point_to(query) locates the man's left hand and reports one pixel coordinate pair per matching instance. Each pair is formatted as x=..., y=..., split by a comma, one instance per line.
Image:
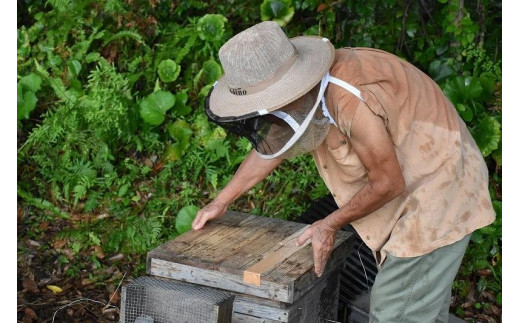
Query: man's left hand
x=322, y=238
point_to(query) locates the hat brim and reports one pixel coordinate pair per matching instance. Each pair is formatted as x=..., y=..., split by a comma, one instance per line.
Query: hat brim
x=315, y=56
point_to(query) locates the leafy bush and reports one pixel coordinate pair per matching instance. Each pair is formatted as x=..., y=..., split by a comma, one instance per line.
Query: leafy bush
x=110, y=110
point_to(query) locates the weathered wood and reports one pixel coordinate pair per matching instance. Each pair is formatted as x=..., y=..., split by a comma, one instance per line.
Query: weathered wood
x=320, y=303
x=287, y=247
x=243, y=318
x=218, y=254
x=301, y=283
x=317, y=305
x=251, y=307
x=212, y=278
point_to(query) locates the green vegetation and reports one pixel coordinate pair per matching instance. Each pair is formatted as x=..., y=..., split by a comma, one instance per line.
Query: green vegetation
x=113, y=142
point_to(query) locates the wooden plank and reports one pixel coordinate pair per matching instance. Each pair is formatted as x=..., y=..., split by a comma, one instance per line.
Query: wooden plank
x=227, y=248
x=303, y=282
x=212, y=278
x=257, y=249
x=218, y=254
x=244, y=318
x=248, y=306
x=286, y=249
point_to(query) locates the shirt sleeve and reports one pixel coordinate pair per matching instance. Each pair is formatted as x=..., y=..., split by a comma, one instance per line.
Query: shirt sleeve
x=349, y=69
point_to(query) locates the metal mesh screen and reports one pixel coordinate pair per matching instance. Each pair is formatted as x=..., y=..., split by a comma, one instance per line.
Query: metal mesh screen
x=149, y=299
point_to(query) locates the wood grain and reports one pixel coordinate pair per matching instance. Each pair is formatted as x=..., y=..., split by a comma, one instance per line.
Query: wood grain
x=287, y=248
x=218, y=255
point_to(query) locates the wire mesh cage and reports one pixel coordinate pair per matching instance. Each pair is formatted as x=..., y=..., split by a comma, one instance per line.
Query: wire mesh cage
x=156, y=300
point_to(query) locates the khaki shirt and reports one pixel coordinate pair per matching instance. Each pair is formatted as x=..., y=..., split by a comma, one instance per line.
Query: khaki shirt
x=446, y=195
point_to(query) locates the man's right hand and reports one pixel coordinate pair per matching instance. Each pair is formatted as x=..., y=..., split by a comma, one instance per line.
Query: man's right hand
x=213, y=210
x=251, y=171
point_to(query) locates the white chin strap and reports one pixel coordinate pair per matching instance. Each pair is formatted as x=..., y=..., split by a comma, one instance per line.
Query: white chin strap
x=299, y=129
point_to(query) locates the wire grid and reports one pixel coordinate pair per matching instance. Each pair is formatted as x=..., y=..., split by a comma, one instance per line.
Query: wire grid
x=150, y=299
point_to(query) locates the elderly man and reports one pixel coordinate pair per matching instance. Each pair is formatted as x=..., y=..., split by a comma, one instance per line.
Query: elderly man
x=391, y=148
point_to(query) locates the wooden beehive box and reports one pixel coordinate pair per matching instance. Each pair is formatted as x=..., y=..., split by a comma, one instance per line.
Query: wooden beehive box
x=281, y=287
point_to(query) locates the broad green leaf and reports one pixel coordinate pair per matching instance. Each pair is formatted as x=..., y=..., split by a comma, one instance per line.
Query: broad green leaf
x=312, y=31
x=153, y=108
x=487, y=135
x=497, y=154
x=25, y=97
x=19, y=94
x=280, y=11
x=74, y=67
x=205, y=90
x=488, y=83
x=168, y=70
x=123, y=189
x=185, y=217
x=181, y=98
x=219, y=133
x=32, y=81
x=440, y=71
x=174, y=152
x=92, y=57
x=466, y=113
x=180, y=130
x=211, y=71
x=211, y=27
x=463, y=89
x=29, y=103
x=410, y=31
x=441, y=50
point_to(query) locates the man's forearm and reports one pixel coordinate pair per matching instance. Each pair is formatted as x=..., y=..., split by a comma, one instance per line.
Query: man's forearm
x=367, y=200
x=250, y=172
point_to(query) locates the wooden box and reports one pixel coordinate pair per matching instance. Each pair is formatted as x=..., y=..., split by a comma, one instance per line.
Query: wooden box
x=281, y=285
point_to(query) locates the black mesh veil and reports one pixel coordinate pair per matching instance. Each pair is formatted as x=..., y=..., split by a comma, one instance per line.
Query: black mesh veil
x=269, y=133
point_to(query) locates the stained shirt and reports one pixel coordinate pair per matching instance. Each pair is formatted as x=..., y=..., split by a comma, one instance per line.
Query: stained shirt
x=446, y=194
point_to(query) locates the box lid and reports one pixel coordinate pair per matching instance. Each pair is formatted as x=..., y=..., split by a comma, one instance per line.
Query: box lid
x=220, y=253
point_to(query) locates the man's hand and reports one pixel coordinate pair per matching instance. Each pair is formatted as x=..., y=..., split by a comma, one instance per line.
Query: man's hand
x=322, y=239
x=213, y=210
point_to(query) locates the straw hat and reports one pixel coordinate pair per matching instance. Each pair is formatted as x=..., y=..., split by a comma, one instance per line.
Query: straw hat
x=265, y=70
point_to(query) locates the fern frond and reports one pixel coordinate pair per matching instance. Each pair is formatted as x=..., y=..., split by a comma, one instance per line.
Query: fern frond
x=125, y=33
x=186, y=49
x=55, y=83
x=60, y=5
x=41, y=204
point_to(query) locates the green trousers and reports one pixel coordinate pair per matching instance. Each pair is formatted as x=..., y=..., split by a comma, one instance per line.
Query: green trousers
x=416, y=289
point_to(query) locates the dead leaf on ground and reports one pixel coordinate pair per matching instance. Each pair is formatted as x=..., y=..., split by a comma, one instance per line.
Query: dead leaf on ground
x=55, y=289
x=29, y=315
x=30, y=286
x=86, y=281
x=44, y=225
x=484, y=272
x=495, y=310
x=58, y=244
x=468, y=304
x=99, y=252
x=117, y=257
x=19, y=214
x=115, y=297
x=33, y=243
